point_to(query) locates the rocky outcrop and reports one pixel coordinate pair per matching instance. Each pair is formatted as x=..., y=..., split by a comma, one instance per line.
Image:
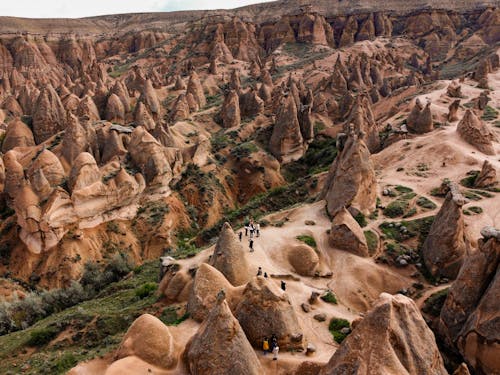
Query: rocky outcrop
x=420, y=118
x=18, y=134
x=361, y=116
x=74, y=140
x=180, y=109
x=447, y=244
x=195, y=89
x=303, y=260
x=264, y=310
x=115, y=112
x=392, y=339
x=230, y=111
x=49, y=116
x=487, y=177
x=346, y=234
x=453, y=111
x=220, y=345
x=230, y=257
x=351, y=180
x=286, y=142
x=454, y=90
x=476, y=132
x=469, y=318
x=150, y=99
x=88, y=109
x=150, y=340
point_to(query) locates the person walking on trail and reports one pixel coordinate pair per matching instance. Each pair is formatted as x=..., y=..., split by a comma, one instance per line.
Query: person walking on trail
x=276, y=350
x=251, y=233
x=257, y=229
x=240, y=235
x=283, y=285
x=259, y=271
x=251, y=245
x=246, y=230
x=265, y=275
x=265, y=345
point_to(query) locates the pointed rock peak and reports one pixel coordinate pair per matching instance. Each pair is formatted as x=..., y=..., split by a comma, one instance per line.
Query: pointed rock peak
x=487, y=177
x=477, y=133
x=18, y=134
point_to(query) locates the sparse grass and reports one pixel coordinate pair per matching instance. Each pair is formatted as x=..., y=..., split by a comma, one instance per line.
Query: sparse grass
x=146, y=290
x=335, y=327
x=435, y=302
x=361, y=219
x=396, y=208
x=42, y=336
x=426, y=203
x=489, y=114
x=371, y=241
x=403, y=189
x=244, y=150
x=308, y=240
x=170, y=318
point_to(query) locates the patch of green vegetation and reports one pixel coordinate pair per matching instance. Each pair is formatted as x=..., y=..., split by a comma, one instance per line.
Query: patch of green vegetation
x=42, y=336
x=361, y=219
x=220, y=141
x=318, y=158
x=319, y=127
x=469, y=194
x=497, y=123
x=308, y=240
x=489, y=114
x=426, y=203
x=214, y=101
x=407, y=229
x=470, y=180
x=408, y=196
x=113, y=227
x=396, y=208
x=403, y=189
x=483, y=193
x=477, y=210
x=371, y=241
x=410, y=213
x=154, y=212
x=329, y=297
x=244, y=150
x=335, y=327
x=435, y=302
x=170, y=318
x=146, y=290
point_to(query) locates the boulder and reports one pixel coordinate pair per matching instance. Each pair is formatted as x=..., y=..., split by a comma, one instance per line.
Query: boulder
x=454, y=90
x=392, y=339
x=303, y=259
x=230, y=257
x=476, y=132
x=265, y=309
x=351, y=181
x=447, y=244
x=420, y=119
x=346, y=234
x=487, y=177
x=220, y=345
x=150, y=340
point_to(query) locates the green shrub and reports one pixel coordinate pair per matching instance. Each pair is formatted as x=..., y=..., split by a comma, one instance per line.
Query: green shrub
x=146, y=290
x=470, y=180
x=435, y=302
x=371, y=241
x=396, y=208
x=403, y=189
x=426, y=203
x=335, y=326
x=477, y=210
x=65, y=362
x=489, y=114
x=308, y=240
x=361, y=219
x=42, y=336
x=244, y=150
x=170, y=318
x=329, y=297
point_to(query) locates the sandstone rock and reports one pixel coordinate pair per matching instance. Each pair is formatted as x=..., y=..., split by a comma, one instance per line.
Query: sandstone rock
x=476, y=132
x=230, y=111
x=180, y=109
x=351, y=180
x=361, y=116
x=251, y=105
x=87, y=108
x=74, y=140
x=175, y=284
x=196, y=90
x=346, y=234
x=18, y=134
x=143, y=118
x=179, y=83
x=350, y=30
x=49, y=116
x=487, y=177
x=461, y=370
x=51, y=166
x=150, y=99
x=230, y=257
x=150, y=340
x=420, y=118
x=84, y=172
x=264, y=310
x=470, y=314
x=12, y=107
x=392, y=339
x=14, y=174
x=303, y=259
x=452, y=110
x=446, y=245
x=320, y=317
x=220, y=346
x=114, y=110
x=207, y=283
x=454, y=90
x=120, y=90
x=286, y=142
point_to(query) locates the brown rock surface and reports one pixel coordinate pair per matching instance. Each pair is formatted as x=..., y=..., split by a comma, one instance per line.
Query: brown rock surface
x=392, y=339
x=49, y=116
x=487, y=177
x=303, y=259
x=420, y=118
x=264, y=310
x=447, y=244
x=476, y=132
x=230, y=111
x=346, y=234
x=18, y=135
x=230, y=257
x=220, y=345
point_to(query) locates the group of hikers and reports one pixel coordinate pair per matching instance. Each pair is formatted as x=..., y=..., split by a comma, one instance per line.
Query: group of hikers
x=271, y=346
x=252, y=229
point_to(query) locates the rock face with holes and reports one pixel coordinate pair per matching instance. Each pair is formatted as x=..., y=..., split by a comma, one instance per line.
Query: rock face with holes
x=447, y=243
x=220, y=345
x=392, y=339
x=470, y=319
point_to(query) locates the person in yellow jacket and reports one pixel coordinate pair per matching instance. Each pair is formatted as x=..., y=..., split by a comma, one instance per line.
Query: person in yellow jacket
x=265, y=345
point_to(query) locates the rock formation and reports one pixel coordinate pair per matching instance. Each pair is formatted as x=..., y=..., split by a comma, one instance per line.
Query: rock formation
x=49, y=116
x=351, y=180
x=230, y=111
x=452, y=111
x=476, y=132
x=346, y=234
x=303, y=260
x=392, y=339
x=446, y=245
x=18, y=134
x=220, y=345
x=487, y=177
x=420, y=118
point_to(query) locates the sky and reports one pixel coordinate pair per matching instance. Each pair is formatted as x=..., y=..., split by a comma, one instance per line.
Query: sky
x=87, y=8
